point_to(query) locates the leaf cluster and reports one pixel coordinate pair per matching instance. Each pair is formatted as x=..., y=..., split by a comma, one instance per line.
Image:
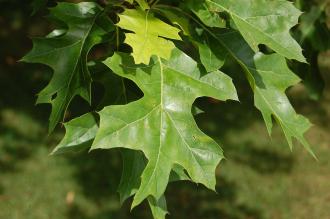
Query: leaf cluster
x=174, y=51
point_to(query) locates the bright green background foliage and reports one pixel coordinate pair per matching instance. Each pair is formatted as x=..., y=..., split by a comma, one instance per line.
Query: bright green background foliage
x=251, y=45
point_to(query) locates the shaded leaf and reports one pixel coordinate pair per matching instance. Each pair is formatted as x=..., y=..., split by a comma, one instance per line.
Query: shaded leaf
x=133, y=165
x=67, y=56
x=212, y=54
x=176, y=19
x=80, y=133
x=269, y=77
x=204, y=12
x=143, y=4
x=158, y=207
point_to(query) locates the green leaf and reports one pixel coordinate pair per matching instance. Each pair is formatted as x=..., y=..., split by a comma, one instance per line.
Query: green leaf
x=148, y=37
x=265, y=22
x=158, y=207
x=269, y=77
x=211, y=53
x=67, y=56
x=161, y=124
x=209, y=49
x=313, y=34
x=114, y=89
x=176, y=19
x=157, y=135
x=143, y=4
x=313, y=29
x=133, y=165
x=204, y=12
x=80, y=133
x=307, y=23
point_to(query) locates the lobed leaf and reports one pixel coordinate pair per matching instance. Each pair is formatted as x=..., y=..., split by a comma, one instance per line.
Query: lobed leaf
x=269, y=77
x=159, y=139
x=204, y=12
x=161, y=124
x=80, y=133
x=265, y=22
x=67, y=56
x=149, y=35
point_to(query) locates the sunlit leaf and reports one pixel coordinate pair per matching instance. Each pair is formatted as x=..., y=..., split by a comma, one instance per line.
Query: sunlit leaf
x=161, y=124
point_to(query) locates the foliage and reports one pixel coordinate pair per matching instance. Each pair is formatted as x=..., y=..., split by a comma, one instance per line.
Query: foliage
x=313, y=34
x=173, y=51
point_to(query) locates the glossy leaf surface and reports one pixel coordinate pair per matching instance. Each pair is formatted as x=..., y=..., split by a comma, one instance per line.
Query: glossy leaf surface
x=269, y=78
x=67, y=56
x=161, y=124
x=80, y=133
x=172, y=51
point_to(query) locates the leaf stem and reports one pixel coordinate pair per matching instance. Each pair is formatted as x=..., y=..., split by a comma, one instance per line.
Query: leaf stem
x=124, y=90
x=117, y=35
x=154, y=3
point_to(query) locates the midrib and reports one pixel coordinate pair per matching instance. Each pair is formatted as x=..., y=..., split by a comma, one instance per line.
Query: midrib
x=160, y=127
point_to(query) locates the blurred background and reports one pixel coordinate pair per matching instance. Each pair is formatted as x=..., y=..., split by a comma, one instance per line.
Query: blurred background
x=260, y=179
